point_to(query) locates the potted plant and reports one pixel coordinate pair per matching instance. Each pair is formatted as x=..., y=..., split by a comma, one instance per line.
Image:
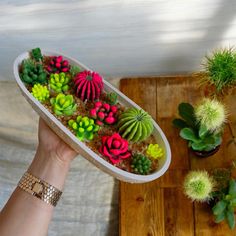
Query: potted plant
x=202, y=125
x=217, y=189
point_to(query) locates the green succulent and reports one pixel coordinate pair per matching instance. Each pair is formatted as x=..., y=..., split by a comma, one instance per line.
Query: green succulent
x=33, y=73
x=154, y=151
x=135, y=125
x=84, y=127
x=74, y=70
x=40, y=92
x=63, y=104
x=36, y=54
x=59, y=82
x=198, y=185
x=141, y=164
x=220, y=68
x=111, y=98
x=196, y=133
x=225, y=206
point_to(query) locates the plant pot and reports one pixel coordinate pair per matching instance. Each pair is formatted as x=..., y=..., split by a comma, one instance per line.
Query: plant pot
x=79, y=146
x=206, y=153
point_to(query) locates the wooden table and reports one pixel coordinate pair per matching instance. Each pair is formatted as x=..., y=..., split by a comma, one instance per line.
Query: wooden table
x=160, y=207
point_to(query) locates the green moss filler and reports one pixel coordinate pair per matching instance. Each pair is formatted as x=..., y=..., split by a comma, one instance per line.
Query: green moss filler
x=59, y=82
x=135, y=125
x=141, y=164
x=63, y=104
x=84, y=127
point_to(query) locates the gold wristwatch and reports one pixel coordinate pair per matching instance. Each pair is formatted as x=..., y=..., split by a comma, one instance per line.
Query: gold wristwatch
x=40, y=189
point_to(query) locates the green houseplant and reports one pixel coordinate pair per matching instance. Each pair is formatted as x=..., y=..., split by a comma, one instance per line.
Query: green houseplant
x=202, y=125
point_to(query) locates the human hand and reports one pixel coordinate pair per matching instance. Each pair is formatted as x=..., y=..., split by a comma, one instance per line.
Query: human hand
x=52, y=145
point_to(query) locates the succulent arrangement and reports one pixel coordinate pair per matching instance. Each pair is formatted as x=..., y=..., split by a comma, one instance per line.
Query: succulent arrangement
x=120, y=135
x=202, y=125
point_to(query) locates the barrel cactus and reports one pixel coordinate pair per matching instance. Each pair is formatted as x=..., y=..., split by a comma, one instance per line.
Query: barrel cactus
x=84, y=127
x=40, y=92
x=135, y=125
x=32, y=73
x=88, y=85
x=140, y=164
x=63, y=104
x=59, y=82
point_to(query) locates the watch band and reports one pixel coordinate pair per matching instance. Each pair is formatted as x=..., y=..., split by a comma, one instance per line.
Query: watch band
x=40, y=189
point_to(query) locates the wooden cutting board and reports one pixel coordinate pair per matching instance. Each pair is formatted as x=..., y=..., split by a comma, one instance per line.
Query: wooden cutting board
x=160, y=207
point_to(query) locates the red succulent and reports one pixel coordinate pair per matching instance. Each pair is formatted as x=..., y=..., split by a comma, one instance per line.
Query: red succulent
x=57, y=65
x=115, y=148
x=88, y=85
x=103, y=113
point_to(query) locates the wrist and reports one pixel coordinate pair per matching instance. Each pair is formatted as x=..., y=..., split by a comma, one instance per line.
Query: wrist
x=50, y=168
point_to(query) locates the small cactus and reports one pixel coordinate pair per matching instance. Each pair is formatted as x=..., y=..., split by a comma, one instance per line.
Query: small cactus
x=111, y=98
x=198, y=185
x=33, y=73
x=141, y=164
x=103, y=113
x=84, y=127
x=40, y=92
x=154, y=151
x=59, y=82
x=63, y=104
x=57, y=65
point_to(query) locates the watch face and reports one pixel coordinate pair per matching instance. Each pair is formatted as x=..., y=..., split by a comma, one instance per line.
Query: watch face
x=38, y=188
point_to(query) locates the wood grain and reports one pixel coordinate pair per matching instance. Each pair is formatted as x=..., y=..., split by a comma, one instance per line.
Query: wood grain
x=162, y=201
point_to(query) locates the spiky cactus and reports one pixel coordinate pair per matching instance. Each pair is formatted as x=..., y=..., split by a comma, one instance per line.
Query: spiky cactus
x=140, y=164
x=84, y=127
x=198, y=185
x=63, y=104
x=40, y=92
x=88, y=85
x=135, y=125
x=211, y=114
x=59, y=82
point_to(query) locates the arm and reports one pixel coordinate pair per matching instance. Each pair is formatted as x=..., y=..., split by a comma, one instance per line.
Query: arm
x=25, y=214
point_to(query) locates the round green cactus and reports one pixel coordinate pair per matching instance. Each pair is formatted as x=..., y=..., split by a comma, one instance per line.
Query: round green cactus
x=63, y=104
x=141, y=164
x=135, y=125
x=84, y=127
x=59, y=82
x=198, y=185
x=40, y=92
x=210, y=114
x=33, y=73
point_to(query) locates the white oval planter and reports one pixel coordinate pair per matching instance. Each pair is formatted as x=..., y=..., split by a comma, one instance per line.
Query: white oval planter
x=79, y=146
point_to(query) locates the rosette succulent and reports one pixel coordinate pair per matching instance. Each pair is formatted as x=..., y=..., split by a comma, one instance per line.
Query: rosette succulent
x=103, y=113
x=40, y=92
x=88, y=85
x=135, y=125
x=59, y=82
x=63, y=104
x=140, y=164
x=198, y=185
x=57, y=65
x=155, y=151
x=115, y=148
x=32, y=73
x=111, y=98
x=211, y=114
x=84, y=127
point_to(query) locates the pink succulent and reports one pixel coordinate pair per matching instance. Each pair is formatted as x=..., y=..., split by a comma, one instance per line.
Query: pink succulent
x=57, y=65
x=115, y=148
x=88, y=85
x=104, y=113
